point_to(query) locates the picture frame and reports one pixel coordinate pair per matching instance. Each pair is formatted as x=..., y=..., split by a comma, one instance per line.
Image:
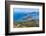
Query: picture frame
x=16, y=6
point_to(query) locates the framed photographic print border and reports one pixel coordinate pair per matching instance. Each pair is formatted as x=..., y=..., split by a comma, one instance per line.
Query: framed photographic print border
x=7, y=20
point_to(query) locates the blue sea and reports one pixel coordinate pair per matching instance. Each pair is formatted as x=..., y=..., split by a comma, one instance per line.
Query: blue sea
x=20, y=13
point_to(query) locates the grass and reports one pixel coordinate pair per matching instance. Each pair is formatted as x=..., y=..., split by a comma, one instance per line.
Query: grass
x=26, y=24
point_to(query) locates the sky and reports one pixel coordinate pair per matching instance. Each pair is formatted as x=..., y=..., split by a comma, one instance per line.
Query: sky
x=19, y=13
x=25, y=10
